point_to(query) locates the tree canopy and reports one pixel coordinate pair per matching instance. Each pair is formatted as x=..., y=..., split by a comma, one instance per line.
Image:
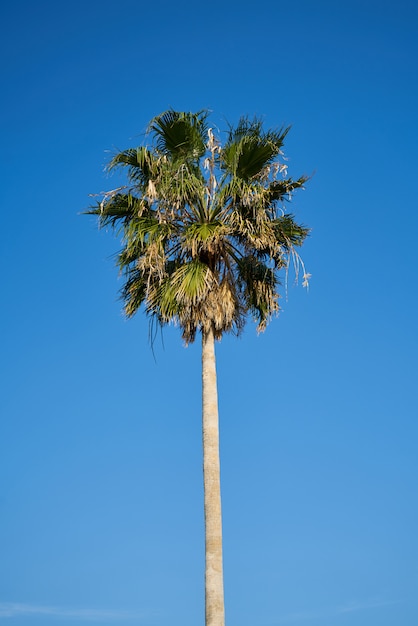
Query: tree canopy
x=204, y=226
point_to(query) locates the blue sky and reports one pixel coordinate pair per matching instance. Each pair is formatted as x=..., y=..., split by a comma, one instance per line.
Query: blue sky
x=100, y=447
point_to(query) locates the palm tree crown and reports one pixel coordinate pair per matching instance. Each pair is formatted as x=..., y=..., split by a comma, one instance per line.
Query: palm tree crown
x=203, y=225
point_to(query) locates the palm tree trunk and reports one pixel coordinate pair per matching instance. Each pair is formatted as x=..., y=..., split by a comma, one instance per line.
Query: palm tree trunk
x=214, y=590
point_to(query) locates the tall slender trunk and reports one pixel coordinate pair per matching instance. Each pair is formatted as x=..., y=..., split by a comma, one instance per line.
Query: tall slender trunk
x=214, y=588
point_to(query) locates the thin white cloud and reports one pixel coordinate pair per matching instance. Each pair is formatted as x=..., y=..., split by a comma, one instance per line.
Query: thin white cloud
x=10, y=609
x=351, y=607
x=369, y=604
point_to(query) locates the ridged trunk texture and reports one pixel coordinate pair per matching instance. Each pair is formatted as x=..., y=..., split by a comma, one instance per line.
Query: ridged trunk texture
x=214, y=588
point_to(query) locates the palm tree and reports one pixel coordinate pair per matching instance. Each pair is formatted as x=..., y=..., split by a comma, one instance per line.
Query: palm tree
x=205, y=235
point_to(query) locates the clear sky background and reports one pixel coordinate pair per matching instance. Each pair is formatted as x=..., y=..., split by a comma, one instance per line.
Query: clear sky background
x=100, y=454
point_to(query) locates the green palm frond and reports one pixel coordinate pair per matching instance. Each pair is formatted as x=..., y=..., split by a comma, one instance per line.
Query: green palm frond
x=249, y=150
x=204, y=237
x=179, y=187
x=282, y=189
x=117, y=208
x=242, y=193
x=134, y=292
x=288, y=232
x=162, y=302
x=191, y=282
x=143, y=234
x=141, y=164
x=259, y=285
x=181, y=289
x=180, y=135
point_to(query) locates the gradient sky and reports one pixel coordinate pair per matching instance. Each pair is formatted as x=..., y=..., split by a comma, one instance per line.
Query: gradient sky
x=100, y=447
